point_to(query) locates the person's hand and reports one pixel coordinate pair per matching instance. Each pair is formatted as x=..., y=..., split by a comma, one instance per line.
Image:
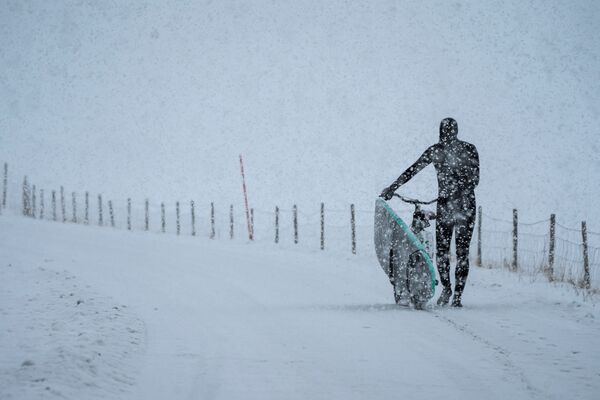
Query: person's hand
x=388, y=193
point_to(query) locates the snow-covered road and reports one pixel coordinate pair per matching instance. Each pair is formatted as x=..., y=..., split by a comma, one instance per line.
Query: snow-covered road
x=235, y=320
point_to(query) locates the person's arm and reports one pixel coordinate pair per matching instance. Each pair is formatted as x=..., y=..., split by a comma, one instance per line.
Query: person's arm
x=474, y=159
x=423, y=161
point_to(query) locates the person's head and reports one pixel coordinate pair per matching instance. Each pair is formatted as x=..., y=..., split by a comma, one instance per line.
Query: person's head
x=448, y=130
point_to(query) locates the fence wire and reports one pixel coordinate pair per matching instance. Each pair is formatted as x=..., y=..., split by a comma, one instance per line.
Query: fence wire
x=229, y=221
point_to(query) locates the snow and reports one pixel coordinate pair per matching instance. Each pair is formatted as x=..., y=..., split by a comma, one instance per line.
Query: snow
x=60, y=339
x=189, y=317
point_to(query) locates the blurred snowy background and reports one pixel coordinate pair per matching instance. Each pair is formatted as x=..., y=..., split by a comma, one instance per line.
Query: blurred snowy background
x=328, y=101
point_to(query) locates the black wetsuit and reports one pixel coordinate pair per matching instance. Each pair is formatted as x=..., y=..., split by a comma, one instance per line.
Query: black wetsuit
x=457, y=166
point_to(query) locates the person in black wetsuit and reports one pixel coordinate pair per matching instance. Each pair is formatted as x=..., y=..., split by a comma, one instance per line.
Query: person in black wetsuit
x=457, y=166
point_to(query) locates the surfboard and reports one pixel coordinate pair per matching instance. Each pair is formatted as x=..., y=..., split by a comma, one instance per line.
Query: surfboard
x=403, y=257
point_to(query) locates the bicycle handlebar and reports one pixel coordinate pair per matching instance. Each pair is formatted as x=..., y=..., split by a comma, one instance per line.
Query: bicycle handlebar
x=414, y=201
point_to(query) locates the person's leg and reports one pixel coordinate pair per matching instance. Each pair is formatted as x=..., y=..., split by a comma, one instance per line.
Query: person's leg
x=464, y=232
x=443, y=235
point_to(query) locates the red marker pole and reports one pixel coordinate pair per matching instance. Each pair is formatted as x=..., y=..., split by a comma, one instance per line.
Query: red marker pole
x=250, y=233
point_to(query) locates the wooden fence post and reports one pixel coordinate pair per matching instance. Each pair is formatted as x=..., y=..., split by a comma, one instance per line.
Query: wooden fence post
x=586, y=282
x=231, y=222
x=353, y=224
x=250, y=233
x=295, y=224
x=23, y=198
x=100, y=216
x=212, y=220
x=5, y=186
x=33, y=202
x=322, y=226
x=26, y=198
x=54, y=205
x=163, y=218
x=63, y=207
x=111, y=212
x=479, y=261
x=551, y=248
x=252, y=223
x=42, y=204
x=177, y=217
x=193, y=217
x=147, y=215
x=276, y=224
x=74, y=205
x=515, y=262
x=129, y=213
x=86, y=217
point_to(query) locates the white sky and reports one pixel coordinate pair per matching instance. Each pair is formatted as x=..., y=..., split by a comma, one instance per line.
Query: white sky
x=328, y=101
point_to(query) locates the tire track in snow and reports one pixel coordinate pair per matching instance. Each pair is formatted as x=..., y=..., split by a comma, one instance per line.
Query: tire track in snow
x=500, y=353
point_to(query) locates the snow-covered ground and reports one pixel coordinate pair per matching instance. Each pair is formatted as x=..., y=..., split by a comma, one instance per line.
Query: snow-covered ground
x=60, y=338
x=88, y=312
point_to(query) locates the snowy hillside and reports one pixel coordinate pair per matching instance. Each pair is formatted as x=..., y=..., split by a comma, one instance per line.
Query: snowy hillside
x=329, y=101
x=87, y=312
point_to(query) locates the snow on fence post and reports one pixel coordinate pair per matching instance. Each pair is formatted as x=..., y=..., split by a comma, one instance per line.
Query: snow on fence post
x=33, y=202
x=100, y=216
x=212, y=220
x=478, y=261
x=74, y=205
x=586, y=282
x=111, y=212
x=353, y=224
x=129, y=213
x=177, y=217
x=193, y=215
x=163, y=218
x=5, y=185
x=86, y=215
x=322, y=226
x=231, y=222
x=515, y=262
x=63, y=207
x=41, y=203
x=276, y=224
x=295, y=224
x=147, y=215
x=551, y=248
x=54, y=205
